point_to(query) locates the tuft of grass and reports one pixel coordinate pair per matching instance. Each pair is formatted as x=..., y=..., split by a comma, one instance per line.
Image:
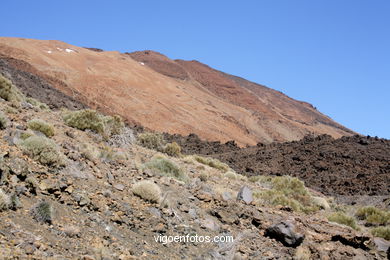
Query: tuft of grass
x=203, y=176
x=3, y=121
x=15, y=202
x=43, y=212
x=8, y=91
x=373, y=215
x=41, y=126
x=153, y=141
x=108, y=154
x=383, y=232
x=341, y=218
x=89, y=119
x=148, y=191
x=166, y=167
x=37, y=103
x=173, y=149
x=43, y=150
x=89, y=152
x=214, y=163
x=113, y=125
x=231, y=175
x=5, y=201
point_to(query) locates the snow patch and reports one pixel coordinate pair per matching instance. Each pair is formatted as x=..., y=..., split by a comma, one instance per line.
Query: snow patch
x=69, y=50
x=142, y=63
x=49, y=52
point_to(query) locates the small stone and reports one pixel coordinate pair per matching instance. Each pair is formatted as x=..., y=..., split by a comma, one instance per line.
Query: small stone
x=192, y=213
x=245, y=195
x=72, y=231
x=210, y=224
x=29, y=249
x=204, y=196
x=226, y=196
x=155, y=212
x=119, y=186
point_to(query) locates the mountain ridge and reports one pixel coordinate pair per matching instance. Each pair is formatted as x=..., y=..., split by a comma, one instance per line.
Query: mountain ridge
x=174, y=96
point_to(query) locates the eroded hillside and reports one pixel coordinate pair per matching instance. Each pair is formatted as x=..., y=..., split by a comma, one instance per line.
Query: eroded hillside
x=80, y=185
x=149, y=89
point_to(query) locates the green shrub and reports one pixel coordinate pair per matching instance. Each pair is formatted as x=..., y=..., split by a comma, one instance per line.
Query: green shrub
x=3, y=121
x=373, y=215
x=153, y=141
x=8, y=91
x=148, y=191
x=214, y=163
x=286, y=191
x=5, y=201
x=41, y=126
x=343, y=219
x=383, y=232
x=172, y=149
x=166, y=167
x=43, y=212
x=43, y=150
x=92, y=120
x=85, y=119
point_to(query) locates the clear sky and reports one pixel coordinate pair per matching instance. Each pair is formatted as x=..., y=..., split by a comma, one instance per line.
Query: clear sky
x=334, y=54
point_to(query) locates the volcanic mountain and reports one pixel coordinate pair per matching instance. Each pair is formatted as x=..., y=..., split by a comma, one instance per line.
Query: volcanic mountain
x=149, y=89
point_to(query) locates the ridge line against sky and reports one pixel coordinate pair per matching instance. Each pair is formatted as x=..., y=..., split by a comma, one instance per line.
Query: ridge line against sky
x=332, y=54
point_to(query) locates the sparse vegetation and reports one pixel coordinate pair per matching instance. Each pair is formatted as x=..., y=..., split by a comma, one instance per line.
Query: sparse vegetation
x=286, y=191
x=148, y=191
x=3, y=121
x=37, y=103
x=5, y=201
x=94, y=121
x=8, y=91
x=43, y=150
x=15, y=202
x=203, y=176
x=172, y=149
x=166, y=167
x=153, y=141
x=85, y=119
x=41, y=126
x=231, y=175
x=341, y=218
x=113, y=125
x=373, y=215
x=108, y=154
x=214, y=163
x=383, y=232
x=43, y=212
x=89, y=152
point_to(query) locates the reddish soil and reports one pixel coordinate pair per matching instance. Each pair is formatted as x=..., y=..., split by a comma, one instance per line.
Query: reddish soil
x=178, y=97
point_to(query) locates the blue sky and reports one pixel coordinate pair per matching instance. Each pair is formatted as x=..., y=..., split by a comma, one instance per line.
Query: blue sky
x=334, y=54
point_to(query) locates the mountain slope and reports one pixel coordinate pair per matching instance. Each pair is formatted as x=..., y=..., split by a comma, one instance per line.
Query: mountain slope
x=181, y=97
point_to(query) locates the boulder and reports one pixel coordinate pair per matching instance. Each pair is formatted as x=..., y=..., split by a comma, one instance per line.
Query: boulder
x=285, y=233
x=245, y=195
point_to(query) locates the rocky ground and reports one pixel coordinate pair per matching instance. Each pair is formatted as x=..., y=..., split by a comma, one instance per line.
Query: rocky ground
x=346, y=167
x=96, y=214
